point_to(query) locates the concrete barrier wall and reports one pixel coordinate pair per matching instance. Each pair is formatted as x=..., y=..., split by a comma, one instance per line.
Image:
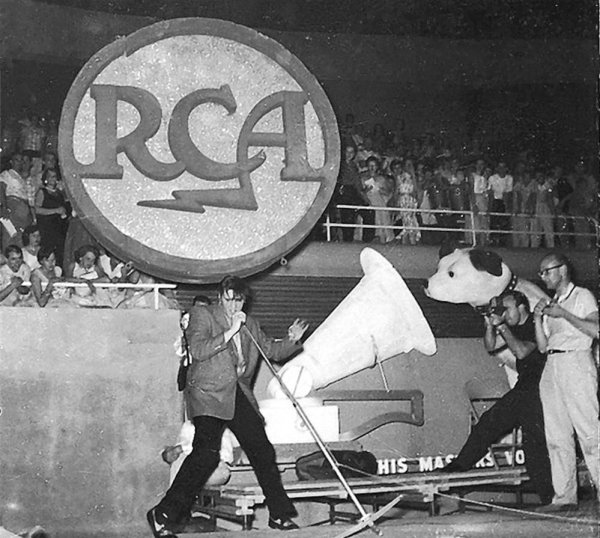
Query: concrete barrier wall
x=88, y=400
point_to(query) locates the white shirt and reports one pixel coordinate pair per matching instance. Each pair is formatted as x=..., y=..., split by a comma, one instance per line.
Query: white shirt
x=15, y=185
x=500, y=185
x=6, y=275
x=30, y=259
x=561, y=334
x=480, y=183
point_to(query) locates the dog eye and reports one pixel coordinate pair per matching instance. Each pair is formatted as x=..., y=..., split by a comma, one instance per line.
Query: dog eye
x=451, y=274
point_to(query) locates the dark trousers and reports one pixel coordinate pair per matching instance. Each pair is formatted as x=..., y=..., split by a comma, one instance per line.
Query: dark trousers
x=247, y=426
x=368, y=217
x=499, y=222
x=520, y=406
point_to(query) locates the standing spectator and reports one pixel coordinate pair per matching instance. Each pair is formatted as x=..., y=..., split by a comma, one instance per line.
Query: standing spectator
x=32, y=240
x=426, y=218
x=565, y=329
x=523, y=205
x=406, y=198
x=501, y=185
x=14, y=198
x=12, y=275
x=219, y=394
x=52, y=213
x=543, y=222
x=350, y=131
x=379, y=138
x=378, y=192
x=458, y=198
x=32, y=137
x=478, y=198
x=365, y=150
x=52, y=138
x=562, y=194
x=348, y=191
x=583, y=205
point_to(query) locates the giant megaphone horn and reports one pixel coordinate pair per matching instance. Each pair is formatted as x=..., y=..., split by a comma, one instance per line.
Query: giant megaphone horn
x=376, y=321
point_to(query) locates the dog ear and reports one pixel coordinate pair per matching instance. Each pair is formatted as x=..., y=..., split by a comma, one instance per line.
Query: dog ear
x=447, y=247
x=486, y=260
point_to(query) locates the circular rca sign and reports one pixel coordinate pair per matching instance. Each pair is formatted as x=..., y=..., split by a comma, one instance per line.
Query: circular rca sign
x=198, y=148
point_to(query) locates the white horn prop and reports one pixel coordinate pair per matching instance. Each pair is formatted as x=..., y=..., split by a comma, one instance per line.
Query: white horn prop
x=376, y=321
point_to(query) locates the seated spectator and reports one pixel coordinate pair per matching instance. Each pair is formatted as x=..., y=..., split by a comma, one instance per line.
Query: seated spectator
x=86, y=269
x=176, y=454
x=52, y=213
x=32, y=239
x=118, y=272
x=43, y=279
x=145, y=298
x=115, y=269
x=13, y=274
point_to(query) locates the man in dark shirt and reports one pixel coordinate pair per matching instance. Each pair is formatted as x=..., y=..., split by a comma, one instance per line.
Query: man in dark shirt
x=521, y=406
x=347, y=192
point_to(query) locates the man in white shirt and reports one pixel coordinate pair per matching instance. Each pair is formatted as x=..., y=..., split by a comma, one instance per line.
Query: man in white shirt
x=501, y=186
x=565, y=328
x=12, y=275
x=15, y=199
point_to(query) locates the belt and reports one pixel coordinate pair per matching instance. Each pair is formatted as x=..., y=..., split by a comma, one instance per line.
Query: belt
x=553, y=351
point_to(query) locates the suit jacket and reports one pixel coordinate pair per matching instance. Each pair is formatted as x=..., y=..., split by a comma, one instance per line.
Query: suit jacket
x=212, y=378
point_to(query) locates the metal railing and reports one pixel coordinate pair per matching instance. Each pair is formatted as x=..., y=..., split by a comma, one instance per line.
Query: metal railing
x=467, y=228
x=155, y=287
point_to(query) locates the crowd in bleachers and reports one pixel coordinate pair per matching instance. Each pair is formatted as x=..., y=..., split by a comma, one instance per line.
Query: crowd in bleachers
x=508, y=198
x=44, y=244
x=391, y=188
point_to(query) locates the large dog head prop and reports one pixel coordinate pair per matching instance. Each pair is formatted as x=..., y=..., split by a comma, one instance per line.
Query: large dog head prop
x=475, y=276
x=377, y=320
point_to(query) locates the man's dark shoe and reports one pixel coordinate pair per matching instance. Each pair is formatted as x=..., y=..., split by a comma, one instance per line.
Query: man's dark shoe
x=158, y=527
x=282, y=524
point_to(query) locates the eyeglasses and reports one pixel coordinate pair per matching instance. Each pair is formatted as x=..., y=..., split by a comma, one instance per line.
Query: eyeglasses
x=544, y=272
x=234, y=299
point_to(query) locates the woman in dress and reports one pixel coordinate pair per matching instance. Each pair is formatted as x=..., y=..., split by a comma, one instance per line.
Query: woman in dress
x=87, y=269
x=32, y=240
x=43, y=279
x=377, y=190
x=51, y=211
x=406, y=198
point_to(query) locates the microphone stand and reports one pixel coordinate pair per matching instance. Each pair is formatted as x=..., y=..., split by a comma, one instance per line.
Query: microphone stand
x=365, y=517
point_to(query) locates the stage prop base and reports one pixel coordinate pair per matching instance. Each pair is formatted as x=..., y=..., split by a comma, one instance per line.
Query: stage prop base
x=237, y=502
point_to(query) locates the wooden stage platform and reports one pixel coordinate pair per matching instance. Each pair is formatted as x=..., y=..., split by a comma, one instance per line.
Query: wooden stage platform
x=237, y=502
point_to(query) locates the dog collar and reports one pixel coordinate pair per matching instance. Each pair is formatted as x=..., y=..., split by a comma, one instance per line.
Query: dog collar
x=512, y=284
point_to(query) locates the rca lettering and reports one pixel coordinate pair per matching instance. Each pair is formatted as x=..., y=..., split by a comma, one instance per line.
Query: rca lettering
x=188, y=157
